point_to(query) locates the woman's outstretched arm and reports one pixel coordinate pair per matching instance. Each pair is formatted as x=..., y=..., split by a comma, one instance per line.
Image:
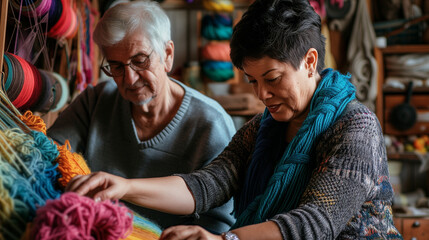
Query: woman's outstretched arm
x=167, y=194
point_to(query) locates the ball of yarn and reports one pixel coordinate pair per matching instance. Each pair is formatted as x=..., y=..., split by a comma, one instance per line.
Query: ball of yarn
x=216, y=27
x=218, y=71
x=216, y=51
x=218, y=5
x=77, y=217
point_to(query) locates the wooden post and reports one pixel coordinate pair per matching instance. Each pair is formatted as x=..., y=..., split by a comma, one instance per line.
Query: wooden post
x=3, y=20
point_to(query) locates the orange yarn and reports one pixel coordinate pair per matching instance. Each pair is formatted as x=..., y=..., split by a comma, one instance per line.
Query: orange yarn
x=70, y=164
x=34, y=122
x=216, y=51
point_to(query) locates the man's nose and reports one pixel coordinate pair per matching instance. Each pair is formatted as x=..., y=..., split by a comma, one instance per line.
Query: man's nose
x=130, y=76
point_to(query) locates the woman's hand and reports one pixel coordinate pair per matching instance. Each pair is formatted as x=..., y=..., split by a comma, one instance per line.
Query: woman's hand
x=188, y=233
x=99, y=185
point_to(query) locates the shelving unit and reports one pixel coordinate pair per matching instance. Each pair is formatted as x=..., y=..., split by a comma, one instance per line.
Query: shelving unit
x=411, y=227
x=193, y=13
x=387, y=98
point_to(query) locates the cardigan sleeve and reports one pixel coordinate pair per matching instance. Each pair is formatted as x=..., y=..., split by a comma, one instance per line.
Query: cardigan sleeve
x=349, y=194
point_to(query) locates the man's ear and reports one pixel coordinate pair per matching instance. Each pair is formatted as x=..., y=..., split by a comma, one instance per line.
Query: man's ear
x=169, y=56
x=310, y=60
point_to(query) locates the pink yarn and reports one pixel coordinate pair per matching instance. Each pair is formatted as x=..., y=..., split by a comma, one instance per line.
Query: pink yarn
x=77, y=217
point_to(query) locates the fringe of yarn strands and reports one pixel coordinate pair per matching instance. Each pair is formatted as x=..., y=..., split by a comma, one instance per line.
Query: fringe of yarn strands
x=34, y=122
x=26, y=182
x=77, y=217
x=28, y=175
x=144, y=229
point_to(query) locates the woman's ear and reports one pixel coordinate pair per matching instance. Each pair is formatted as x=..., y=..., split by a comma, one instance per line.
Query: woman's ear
x=311, y=58
x=169, y=56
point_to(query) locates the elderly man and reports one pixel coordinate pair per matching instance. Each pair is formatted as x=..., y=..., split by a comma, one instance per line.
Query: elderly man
x=143, y=123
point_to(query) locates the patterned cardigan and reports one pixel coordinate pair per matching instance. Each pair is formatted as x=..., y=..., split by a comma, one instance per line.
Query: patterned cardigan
x=349, y=194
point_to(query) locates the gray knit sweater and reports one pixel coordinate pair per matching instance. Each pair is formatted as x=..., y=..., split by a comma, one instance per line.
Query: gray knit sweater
x=349, y=194
x=99, y=125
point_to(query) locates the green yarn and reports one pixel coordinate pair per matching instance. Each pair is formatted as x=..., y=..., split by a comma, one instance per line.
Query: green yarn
x=293, y=171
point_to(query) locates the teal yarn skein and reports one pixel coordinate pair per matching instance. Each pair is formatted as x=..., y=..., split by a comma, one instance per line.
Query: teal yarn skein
x=216, y=27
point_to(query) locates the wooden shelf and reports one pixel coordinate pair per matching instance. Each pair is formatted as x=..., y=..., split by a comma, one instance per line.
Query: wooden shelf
x=421, y=48
x=416, y=90
x=408, y=156
x=197, y=4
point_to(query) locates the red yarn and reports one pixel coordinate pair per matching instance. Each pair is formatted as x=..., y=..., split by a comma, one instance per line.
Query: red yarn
x=37, y=91
x=77, y=217
x=62, y=26
x=28, y=87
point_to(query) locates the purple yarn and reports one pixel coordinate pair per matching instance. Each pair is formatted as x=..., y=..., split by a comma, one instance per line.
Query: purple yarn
x=44, y=7
x=54, y=13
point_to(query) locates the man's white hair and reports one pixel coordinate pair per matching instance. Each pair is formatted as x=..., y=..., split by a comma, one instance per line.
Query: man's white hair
x=124, y=18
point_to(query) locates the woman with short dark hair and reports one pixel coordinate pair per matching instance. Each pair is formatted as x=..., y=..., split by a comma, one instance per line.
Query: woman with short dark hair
x=312, y=166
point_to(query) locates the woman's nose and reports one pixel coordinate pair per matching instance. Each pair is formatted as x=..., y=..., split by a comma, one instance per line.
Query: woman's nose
x=262, y=92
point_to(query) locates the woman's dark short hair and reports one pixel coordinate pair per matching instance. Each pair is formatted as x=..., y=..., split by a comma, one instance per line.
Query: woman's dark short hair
x=280, y=29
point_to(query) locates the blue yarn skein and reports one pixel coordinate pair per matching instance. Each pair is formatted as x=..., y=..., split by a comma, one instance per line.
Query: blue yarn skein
x=218, y=71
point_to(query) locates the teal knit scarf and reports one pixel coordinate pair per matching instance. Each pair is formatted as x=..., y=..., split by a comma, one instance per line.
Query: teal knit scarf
x=293, y=171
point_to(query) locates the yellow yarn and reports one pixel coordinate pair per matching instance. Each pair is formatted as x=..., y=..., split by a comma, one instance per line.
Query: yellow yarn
x=70, y=164
x=6, y=203
x=19, y=141
x=6, y=151
x=218, y=5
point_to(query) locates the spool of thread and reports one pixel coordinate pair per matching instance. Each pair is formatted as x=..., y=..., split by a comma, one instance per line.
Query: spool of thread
x=72, y=30
x=216, y=27
x=54, y=13
x=17, y=78
x=38, y=84
x=28, y=78
x=218, y=5
x=8, y=71
x=218, y=71
x=46, y=94
x=32, y=8
x=61, y=92
x=216, y=51
x=78, y=217
x=66, y=25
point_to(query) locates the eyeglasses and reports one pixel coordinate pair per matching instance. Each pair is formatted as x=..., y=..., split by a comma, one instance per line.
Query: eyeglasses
x=137, y=63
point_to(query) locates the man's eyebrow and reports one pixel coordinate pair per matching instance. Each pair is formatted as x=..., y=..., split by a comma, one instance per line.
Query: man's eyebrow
x=134, y=56
x=139, y=54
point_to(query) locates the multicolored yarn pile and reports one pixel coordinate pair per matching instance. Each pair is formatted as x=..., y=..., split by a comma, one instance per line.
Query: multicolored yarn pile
x=33, y=171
